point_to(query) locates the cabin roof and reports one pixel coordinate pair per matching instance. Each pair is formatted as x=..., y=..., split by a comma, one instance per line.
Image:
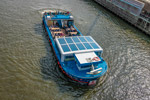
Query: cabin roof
x=77, y=44
x=88, y=58
x=59, y=17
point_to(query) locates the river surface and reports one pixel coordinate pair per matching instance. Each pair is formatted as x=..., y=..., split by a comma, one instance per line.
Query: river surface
x=28, y=68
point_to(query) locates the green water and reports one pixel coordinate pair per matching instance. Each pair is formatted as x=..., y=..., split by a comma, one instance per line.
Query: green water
x=28, y=68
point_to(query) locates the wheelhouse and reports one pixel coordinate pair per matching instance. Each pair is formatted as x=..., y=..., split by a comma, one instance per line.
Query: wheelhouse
x=84, y=50
x=59, y=19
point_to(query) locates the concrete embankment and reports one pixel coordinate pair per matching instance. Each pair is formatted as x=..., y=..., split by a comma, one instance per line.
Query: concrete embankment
x=133, y=11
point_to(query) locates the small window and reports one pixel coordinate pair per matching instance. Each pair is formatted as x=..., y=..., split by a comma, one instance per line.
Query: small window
x=89, y=66
x=69, y=58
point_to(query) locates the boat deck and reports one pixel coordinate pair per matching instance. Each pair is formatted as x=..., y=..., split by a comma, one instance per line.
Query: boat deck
x=70, y=67
x=58, y=32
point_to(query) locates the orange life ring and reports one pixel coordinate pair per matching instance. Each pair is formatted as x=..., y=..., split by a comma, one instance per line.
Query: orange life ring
x=96, y=59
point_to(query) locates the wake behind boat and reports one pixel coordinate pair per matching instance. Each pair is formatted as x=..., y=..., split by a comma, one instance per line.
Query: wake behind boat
x=78, y=56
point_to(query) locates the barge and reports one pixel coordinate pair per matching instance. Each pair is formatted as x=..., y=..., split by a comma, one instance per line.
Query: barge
x=136, y=12
x=78, y=57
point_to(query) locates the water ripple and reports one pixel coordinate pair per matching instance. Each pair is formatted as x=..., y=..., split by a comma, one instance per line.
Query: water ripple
x=28, y=68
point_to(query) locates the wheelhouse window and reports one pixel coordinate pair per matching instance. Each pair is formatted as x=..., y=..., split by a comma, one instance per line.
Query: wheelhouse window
x=85, y=66
x=69, y=58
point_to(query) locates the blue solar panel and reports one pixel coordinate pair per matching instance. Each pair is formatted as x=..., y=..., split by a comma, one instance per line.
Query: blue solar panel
x=73, y=47
x=62, y=41
x=69, y=40
x=82, y=39
x=77, y=43
x=89, y=39
x=65, y=48
x=94, y=46
x=87, y=45
x=80, y=46
x=75, y=39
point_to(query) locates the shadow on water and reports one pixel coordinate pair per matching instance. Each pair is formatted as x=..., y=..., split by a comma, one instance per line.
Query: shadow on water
x=51, y=72
x=93, y=24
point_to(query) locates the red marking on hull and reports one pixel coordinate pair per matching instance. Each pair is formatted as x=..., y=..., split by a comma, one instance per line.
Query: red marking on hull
x=69, y=76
